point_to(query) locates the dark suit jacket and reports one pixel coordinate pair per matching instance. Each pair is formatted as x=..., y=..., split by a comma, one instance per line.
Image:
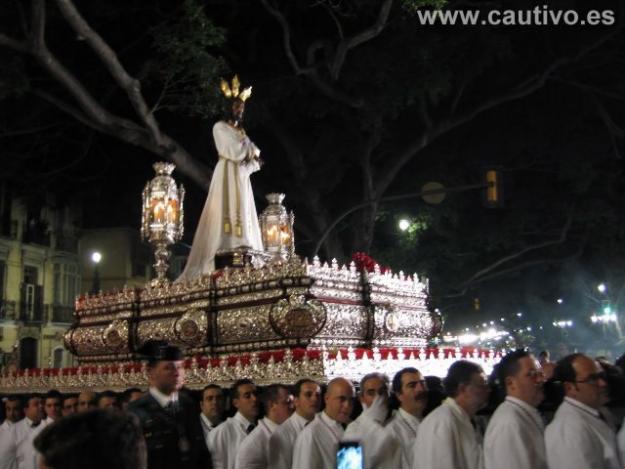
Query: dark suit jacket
x=174, y=440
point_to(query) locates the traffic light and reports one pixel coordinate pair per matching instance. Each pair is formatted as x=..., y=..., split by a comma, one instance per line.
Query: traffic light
x=493, y=188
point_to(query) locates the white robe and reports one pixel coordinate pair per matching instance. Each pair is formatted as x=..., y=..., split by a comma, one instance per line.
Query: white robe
x=381, y=449
x=254, y=450
x=27, y=456
x=404, y=427
x=225, y=439
x=282, y=442
x=229, y=219
x=447, y=440
x=316, y=445
x=577, y=438
x=8, y=458
x=515, y=437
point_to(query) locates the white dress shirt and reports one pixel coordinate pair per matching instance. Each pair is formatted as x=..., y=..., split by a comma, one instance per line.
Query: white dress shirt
x=317, y=443
x=578, y=438
x=25, y=433
x=515, y=437
x=448, y=440
x=253, y=452
x=403, y=427
x=207, y=427
x=163, y=399
x=8, y=457
x=282, y=442
x=225, y=439
x=381, y=449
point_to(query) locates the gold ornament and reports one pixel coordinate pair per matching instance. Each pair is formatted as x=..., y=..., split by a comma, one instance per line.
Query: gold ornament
x=232, y=90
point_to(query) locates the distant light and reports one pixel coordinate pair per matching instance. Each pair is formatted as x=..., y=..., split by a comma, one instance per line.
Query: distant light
x=96, y=257
x=560, y=301
x=404, y=224
x=492, y=323
x=528, y=328
x=601, y=287
x=503, y=319
x=518, y=315
x=483, y=324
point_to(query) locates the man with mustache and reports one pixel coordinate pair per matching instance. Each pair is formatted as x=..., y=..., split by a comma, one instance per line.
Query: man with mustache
x=411, y=391
x=579, y=436
x=514, y=437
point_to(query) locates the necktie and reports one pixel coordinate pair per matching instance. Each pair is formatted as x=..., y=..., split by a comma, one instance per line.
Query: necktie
x=35, y=425
x=249, y=428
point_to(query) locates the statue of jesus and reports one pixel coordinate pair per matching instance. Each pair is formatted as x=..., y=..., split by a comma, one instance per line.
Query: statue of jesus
x=229, y=219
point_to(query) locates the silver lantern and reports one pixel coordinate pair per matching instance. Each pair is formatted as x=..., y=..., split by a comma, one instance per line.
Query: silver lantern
x=277, y=228
x=162, y=216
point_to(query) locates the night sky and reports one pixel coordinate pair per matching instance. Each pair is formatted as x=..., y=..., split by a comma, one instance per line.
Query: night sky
x=406, y=105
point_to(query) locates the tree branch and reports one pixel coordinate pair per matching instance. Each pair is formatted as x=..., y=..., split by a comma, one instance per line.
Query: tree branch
x=130, y=85
x=561, y=239
x=366, y=35
x=523, y=89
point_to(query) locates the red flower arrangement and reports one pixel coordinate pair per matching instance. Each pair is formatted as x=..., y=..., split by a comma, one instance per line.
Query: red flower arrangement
x=364, y=262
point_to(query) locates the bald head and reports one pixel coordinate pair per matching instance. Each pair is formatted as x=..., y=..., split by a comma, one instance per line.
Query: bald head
x=339, y=400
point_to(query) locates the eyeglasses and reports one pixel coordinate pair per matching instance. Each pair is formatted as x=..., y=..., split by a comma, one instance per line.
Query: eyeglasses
x=593, y=378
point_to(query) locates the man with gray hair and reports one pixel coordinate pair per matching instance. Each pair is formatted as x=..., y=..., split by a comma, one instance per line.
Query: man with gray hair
x=380, y=448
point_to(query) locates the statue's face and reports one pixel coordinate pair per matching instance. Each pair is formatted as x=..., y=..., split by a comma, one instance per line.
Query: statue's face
x=238, y=108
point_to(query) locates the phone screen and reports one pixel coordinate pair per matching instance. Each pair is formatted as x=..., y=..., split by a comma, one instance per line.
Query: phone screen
x=350, y=455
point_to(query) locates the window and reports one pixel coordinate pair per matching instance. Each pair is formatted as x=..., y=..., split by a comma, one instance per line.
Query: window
x=65, y=284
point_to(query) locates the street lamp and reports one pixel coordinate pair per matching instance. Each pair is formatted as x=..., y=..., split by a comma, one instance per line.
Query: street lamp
x=96, y=257
x=404, y=224
x=601, y=288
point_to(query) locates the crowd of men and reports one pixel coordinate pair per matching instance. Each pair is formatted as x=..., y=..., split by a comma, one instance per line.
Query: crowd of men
x=405, y=423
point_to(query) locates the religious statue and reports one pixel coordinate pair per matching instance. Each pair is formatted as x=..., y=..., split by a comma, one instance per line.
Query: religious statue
x=229, y=220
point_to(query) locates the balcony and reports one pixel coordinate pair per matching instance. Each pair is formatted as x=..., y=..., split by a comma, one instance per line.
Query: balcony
x=31, y=312
x=8, y=310
x=59, y=313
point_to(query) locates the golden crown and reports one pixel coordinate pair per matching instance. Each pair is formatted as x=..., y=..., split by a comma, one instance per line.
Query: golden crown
x=232, y=90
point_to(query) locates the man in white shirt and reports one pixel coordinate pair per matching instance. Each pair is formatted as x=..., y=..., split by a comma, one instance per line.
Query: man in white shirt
x=381, y=450
x=13, y=414
x=307, y=400
x=26, y=430
x=254, y=450
x=515, y=434
x=224, y=441
x=579, y=437
x=447, y=437
x=411, y=391
x=52, y=406
x=317, y=443
x=212, y=407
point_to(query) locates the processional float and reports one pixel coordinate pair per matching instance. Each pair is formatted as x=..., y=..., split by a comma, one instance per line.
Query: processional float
x=269, y=316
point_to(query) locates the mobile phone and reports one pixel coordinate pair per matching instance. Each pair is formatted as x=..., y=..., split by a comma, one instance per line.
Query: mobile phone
x=350, y=455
